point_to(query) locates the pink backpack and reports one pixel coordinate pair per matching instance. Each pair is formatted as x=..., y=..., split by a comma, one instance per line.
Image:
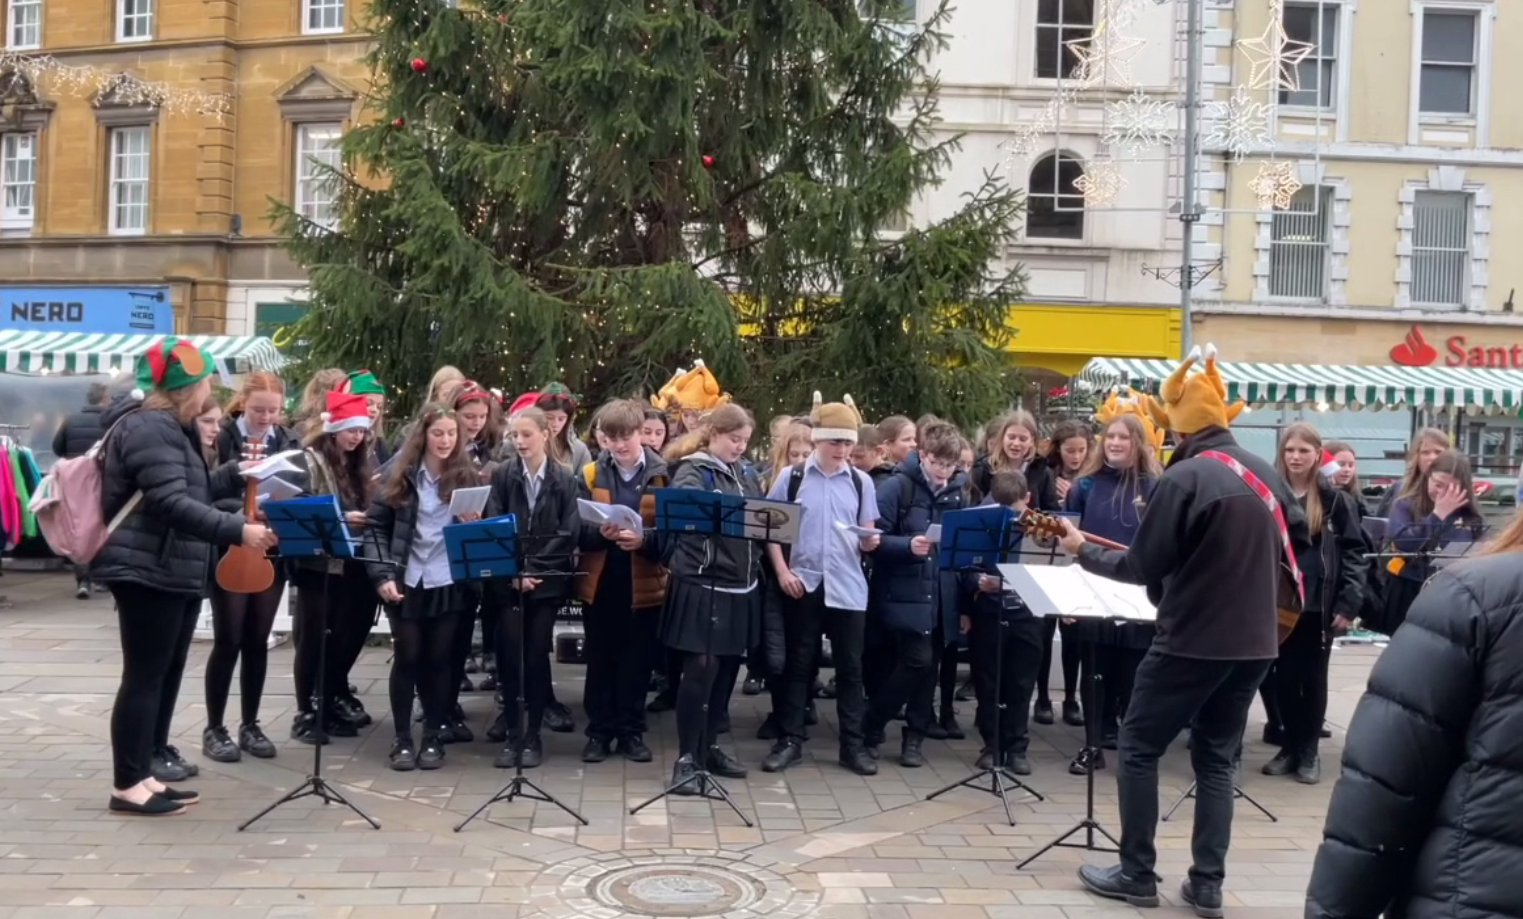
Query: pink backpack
x=67, y=506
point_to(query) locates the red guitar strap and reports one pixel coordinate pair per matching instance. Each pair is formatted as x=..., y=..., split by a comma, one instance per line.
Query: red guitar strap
x=1270, y=502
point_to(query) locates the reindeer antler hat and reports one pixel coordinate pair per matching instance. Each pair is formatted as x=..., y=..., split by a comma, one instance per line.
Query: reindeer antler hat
x=1124, y=401
x=1189, y=402
x=695, y=390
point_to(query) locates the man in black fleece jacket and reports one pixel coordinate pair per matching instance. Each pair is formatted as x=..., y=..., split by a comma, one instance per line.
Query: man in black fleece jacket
x=1211, y=551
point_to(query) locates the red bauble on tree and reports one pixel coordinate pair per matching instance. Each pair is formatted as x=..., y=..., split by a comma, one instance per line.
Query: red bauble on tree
x=419, y=65
x=708, y=161
x=397, y=122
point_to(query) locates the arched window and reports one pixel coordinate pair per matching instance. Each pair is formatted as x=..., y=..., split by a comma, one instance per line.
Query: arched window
x=1054, y=207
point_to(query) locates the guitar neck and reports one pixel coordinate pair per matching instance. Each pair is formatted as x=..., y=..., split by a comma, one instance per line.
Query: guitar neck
x=1102, y=542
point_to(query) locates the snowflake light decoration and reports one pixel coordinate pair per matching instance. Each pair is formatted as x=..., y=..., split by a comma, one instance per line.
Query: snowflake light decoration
x=1274, y=58
x=1100, y=183
x=1138, y=123
x=1275, y=185
x=1240, y=125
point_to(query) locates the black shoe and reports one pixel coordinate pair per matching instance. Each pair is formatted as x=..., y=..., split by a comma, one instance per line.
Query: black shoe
x=507, y=757
x=910, y=754
x=633, y=748
x=180, y=795
x=338, y=727
x=1042, y=714
x=217, y=745
x=252, y=741
x=829, y=691
x=724, y=765
x=1087, y=760
x=1284, y=763
x=1309, y=769
x=596, y=751
x=1274, y=735
x=856, y=760
x=985, y=759
x=665, y=701
x=949, y=724
x=811, y=717
x=457, y=732
x=471, y=666
x=432, y=754
x=498, y=732
x=1017, y=763
x=1325, y=733
x=489, y=663
x=1205, y=899
x=534, y=751
x=1109, y=741
x=304, y=729
x=768, y=730
x=353, y=711
x=82, y=592
x=784, y=754
x=682, y=770
x=558, y=719
x=934, y=731
x=488, y=683
x=873, y=740
x=899, y=715
x=168, y=767
x=964, y=691
x=752, y=686
x=1072, y=714
x=1113, y=884
x=466, y=685
x=155, y=806
x=403, y=757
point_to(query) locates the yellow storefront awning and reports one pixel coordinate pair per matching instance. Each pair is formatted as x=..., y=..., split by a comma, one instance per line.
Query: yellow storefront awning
x=1064, y=338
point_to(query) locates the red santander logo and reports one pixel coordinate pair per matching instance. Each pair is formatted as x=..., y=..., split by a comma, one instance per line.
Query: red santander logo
x=1414, y=350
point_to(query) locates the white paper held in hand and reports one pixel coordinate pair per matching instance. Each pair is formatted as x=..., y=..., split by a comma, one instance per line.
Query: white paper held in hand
x=933, y=533
x=856, y=531
x=271, y=465
x=469, y=500
x=617, y=514
x=275, y=488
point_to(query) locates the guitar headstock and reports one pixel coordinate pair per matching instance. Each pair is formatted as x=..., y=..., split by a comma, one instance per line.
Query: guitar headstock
x=1042, y=526
x=253, y=450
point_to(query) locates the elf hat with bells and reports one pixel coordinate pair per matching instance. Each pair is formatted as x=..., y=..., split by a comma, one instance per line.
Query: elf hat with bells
x=834, y=420
x=1124, y=401
x=1188, y=402
x=695, y=390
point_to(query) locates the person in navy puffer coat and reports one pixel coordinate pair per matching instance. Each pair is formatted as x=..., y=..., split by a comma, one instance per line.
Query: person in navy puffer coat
x=910, y=595
x=1109, y=497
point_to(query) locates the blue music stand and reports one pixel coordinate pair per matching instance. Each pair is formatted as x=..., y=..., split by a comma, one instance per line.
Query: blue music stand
x=313, y=528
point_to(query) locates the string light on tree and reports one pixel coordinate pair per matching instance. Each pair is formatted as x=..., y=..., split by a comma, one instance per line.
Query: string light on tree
x=1239, y=125
x=1100, y=183
x=1275, y=185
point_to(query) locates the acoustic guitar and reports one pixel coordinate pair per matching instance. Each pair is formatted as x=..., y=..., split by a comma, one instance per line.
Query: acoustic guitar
x=244, y=570
x=1287, y=615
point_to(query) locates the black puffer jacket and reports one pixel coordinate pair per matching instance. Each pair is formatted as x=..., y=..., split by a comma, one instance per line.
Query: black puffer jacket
x=79, y=432
x=168, y=541
x=1425, y=820
x=909, y=591
x=549, y=531
x=391, y=531
x=720, y=561
x=230, y=440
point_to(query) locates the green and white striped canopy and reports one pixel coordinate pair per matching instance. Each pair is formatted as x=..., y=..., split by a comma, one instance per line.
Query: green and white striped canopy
x=1344, y=386
x=74, y=352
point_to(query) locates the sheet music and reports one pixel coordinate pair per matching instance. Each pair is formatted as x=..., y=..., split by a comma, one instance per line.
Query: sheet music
x=1070, y=592
x=598, y=514
x=771, y=521
x=275, y=488
x=272, y=465
x=469, y=500
x=933, y=533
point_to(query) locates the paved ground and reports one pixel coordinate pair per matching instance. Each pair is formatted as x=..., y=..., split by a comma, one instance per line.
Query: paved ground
x=827, y=843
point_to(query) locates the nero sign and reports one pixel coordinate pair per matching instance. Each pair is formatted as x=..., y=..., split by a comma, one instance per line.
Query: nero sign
x=87, y=310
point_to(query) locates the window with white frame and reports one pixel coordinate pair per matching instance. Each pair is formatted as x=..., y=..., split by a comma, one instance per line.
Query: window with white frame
x=1440, y=248
x=127, y=195
x=1315, y=24
x=1298, y=245
x=1054, y=206
x=1059, y=22
x=317, y=156
x=23, y=24
x=322, y=16
x=18, y=181
x=134, y=20
x=1449, y=60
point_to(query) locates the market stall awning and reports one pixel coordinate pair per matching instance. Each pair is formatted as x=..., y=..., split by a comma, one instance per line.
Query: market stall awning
x=1337, y=385
x=66, y=352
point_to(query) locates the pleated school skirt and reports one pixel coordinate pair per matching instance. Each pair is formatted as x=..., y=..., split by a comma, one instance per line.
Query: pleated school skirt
x=698, y=620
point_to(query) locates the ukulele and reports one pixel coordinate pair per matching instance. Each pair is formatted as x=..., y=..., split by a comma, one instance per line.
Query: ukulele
x=1046, y=525
x=244, y=570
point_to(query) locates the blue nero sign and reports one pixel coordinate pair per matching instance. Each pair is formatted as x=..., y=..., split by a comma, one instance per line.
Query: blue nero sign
x=87, y=310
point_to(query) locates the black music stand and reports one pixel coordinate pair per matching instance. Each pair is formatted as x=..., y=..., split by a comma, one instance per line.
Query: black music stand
x=313, y=528
x=485, y=551
x=1238, y=794
x=975, y=541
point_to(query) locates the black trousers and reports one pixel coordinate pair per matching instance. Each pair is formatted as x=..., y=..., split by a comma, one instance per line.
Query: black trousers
x=1269, y=694
x=534, y=620
x=619, y=641
x=1070, y=658
x=1117, y=666
x=1005, y=661
x=810, y=619
x=156, y=629
x=1211, y=698
x=909, y=684
x=1301, y=683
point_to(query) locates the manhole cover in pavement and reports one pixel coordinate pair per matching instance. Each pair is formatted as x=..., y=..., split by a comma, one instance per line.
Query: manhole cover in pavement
x=676, y=891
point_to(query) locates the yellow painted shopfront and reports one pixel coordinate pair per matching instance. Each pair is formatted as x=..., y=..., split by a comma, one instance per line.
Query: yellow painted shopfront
x=1062, y=338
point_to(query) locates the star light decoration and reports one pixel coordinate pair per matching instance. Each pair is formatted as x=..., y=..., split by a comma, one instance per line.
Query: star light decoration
x=1138, y=123
x=1239, y=125
x=1274, y=57
x=1105, y=58
x=44, y=70
x=1100, y=183
x=1275, y=185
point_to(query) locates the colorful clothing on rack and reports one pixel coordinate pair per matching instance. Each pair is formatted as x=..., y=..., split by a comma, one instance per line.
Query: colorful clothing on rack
x=10, y=507
x=20, y=457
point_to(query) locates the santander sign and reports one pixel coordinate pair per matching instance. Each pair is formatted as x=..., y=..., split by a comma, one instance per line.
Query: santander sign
x=1415, y=351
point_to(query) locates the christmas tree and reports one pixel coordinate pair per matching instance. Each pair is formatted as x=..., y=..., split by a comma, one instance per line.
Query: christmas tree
x=598, y=191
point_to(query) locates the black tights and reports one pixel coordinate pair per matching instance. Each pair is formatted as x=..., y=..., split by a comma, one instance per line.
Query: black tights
x=421, y=665
x=241, y=626
x=346, y=603
x=706, y=680
x=1071, y=660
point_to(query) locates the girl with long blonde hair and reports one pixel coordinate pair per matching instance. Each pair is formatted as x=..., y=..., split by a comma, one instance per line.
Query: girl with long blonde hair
x=1426, y=446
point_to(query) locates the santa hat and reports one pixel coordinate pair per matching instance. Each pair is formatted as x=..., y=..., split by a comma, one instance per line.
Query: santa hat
x=834, y=420
x=173, y=363
x=346, y=412
x=524, y=401
x=1329, y=465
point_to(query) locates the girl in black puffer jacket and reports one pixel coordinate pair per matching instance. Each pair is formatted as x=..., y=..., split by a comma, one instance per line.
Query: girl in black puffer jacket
x=1424, y=822
x=158, y=562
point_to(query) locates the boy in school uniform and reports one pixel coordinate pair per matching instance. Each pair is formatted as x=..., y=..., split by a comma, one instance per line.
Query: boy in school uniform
x=621, y=590
x=997, y=616
x=824, y=585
